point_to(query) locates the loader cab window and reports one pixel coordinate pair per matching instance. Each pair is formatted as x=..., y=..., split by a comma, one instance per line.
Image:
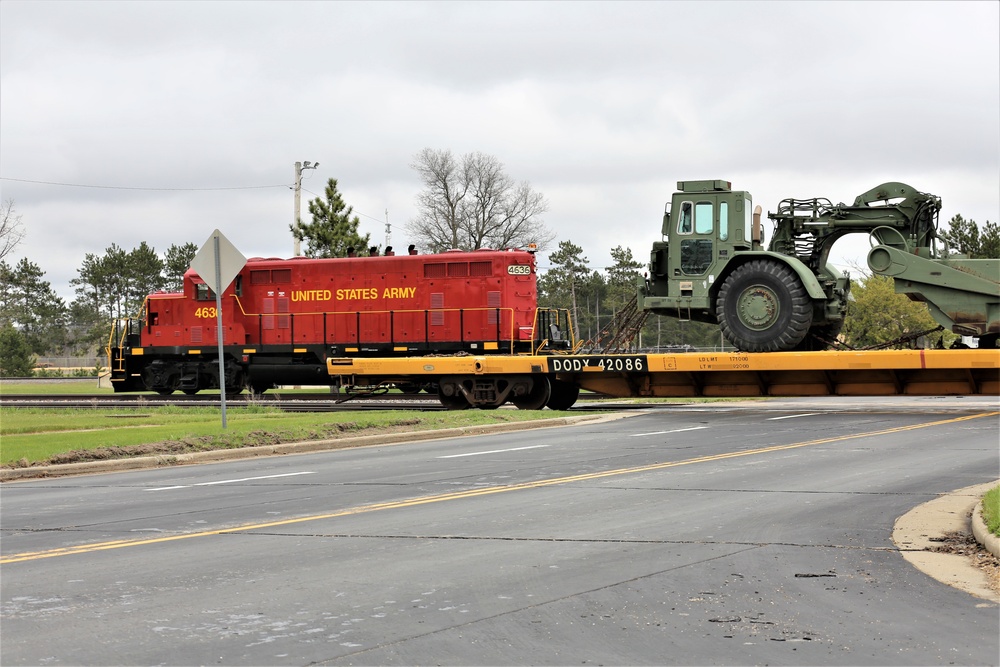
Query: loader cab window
x=703, y=222
x=685, y=218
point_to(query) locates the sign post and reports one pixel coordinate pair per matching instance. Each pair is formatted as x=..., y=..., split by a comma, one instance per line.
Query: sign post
x=218, y=262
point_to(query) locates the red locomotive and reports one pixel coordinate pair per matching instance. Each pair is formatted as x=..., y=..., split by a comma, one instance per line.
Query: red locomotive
x=282, y=319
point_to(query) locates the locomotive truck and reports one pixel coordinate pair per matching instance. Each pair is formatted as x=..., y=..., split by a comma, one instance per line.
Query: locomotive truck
x=711, y=266
x=283, y=318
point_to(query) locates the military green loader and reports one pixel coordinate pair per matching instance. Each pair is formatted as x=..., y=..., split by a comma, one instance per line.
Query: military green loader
x=711, y=266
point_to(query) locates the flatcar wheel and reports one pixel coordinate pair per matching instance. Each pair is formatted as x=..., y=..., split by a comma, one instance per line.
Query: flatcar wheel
x=190, y=392
x=535, y=399
x=456, y=402
x=564, y=395
x=164, y=392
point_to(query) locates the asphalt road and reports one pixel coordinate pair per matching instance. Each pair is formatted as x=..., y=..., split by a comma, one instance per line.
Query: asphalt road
x=693, y=535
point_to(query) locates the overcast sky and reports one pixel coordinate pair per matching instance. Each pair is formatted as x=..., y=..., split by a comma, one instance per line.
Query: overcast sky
x=601, y=106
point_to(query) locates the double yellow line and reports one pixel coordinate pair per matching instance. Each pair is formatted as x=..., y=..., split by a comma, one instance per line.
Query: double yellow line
x=472, y=493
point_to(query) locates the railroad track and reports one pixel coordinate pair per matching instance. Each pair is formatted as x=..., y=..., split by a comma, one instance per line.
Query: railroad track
x=318, y=402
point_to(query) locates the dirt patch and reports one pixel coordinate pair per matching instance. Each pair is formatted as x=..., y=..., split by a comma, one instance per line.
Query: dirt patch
x=965, y=544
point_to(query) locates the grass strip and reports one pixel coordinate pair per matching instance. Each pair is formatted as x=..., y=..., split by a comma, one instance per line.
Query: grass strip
x=31, y=436
x=991, y=510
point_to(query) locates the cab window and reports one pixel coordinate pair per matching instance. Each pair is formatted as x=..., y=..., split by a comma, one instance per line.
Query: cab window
x=684, y=220
x=703, y=222
x=723, y=221
x=203, y=292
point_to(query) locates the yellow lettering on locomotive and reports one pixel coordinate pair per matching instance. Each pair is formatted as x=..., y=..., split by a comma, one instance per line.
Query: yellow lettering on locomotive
x=399, y=292
x=346, y=294
x=312, y=295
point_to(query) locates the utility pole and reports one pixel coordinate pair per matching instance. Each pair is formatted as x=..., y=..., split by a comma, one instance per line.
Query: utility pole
x=299, y=166
x=388, y=229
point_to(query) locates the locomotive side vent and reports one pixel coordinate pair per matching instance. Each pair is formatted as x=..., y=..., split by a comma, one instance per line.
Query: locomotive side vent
x=437, y=302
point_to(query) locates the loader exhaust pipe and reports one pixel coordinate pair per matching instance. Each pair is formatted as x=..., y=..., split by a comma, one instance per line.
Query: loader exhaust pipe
x=756, y=232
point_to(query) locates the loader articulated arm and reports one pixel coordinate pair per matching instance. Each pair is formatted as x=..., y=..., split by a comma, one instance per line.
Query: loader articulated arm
x=895, y=214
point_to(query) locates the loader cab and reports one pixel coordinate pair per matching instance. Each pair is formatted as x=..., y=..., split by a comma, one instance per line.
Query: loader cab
x=704, y=225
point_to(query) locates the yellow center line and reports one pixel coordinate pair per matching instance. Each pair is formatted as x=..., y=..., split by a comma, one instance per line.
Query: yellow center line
x=471, y=493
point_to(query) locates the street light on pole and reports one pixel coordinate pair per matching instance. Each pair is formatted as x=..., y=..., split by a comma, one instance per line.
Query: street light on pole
x=299, y=166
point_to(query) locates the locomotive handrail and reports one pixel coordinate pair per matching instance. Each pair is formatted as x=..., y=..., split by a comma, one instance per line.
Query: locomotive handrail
x=544, y=340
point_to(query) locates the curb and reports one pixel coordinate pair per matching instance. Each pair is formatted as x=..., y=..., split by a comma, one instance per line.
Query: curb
x=917, y=532
x=218, y=455
x=982, y=534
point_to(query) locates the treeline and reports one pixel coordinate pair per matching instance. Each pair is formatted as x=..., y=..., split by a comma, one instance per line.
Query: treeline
x=35, y=321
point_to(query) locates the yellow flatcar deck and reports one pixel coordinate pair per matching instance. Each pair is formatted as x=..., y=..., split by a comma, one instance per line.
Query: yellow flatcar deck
x=718, y=374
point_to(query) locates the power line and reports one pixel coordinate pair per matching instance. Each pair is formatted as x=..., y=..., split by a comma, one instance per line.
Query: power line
x=124, y=187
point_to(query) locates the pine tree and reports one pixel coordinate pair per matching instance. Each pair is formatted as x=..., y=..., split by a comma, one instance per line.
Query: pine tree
x=965, y=237
x=16, y=359
x=564, y=284
x=332, y=230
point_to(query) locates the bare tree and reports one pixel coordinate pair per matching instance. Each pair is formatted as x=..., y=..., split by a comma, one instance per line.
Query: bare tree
x=475, y=204
x=446, y=183
x=11, y=232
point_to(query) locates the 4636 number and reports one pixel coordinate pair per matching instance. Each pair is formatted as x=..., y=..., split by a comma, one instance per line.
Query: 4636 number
x=206, y=312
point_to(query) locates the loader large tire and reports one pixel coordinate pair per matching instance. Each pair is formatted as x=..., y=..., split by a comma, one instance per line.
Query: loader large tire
x=763, y=307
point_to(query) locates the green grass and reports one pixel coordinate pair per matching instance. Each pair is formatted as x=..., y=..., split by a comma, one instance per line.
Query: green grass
x=42, y=388
x=29, y=435
x=991, y=510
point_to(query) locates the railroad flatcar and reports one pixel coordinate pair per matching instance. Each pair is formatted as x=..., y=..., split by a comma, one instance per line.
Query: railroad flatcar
x=282, y=319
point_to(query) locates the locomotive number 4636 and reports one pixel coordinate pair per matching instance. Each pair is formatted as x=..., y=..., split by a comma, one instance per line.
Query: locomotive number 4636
x=519, y=270
x=206, y=312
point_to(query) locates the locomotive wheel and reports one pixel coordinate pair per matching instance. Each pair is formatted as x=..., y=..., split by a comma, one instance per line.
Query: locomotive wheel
x=164, y=392
x=564, y=395
x=763, y=307
x=541, y=392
